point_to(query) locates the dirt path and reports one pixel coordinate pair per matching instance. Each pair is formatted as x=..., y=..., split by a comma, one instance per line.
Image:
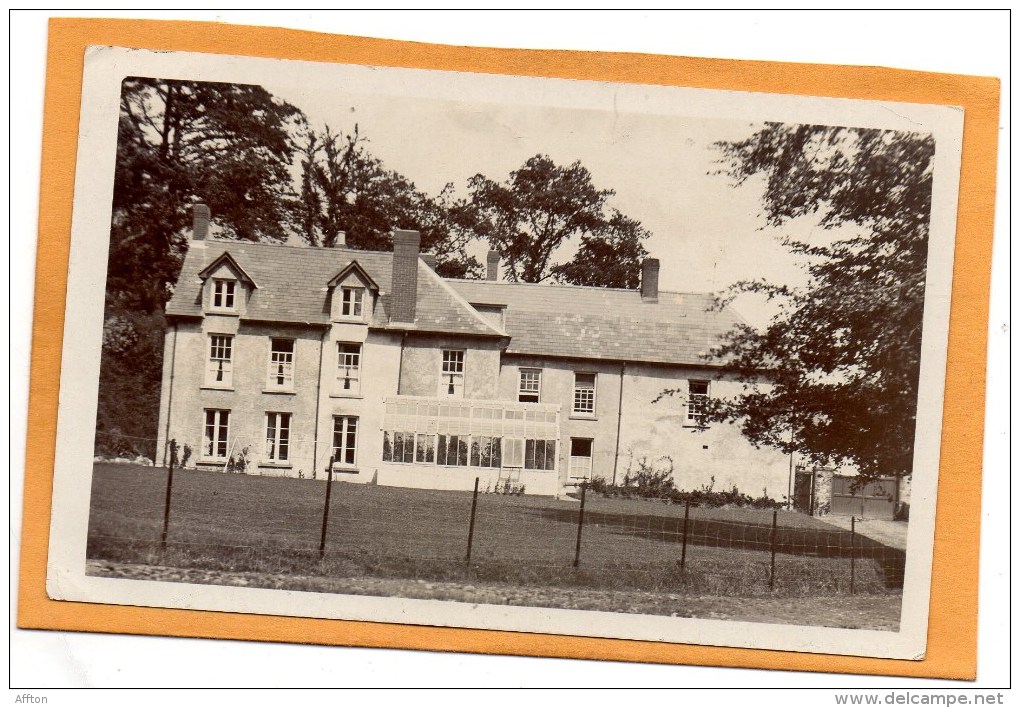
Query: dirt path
x=879, y=612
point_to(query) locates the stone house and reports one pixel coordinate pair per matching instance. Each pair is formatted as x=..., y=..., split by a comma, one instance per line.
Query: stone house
x=289, y=357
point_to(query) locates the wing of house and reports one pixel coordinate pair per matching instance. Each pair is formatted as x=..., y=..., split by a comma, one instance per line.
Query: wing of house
x=287, y=359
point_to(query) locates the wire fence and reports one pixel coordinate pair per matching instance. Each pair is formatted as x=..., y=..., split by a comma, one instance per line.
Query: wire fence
x=287, y=527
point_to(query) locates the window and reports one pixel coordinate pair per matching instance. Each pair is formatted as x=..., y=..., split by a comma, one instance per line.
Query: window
x=398, y=447
x=584, y=394
x=223, y=294
x=580, y=457
x=539, y=454
x=426, y=448
x=513, y=452
x=348, y=375
x=352, y=302
x=697, y=402
x=452, y=380
x=452, y=450
x=277, y=437
x=217, y=432
x=281, y=364
x=220, y=370
x=531, y=386
x=485, y=451
x=345, y=440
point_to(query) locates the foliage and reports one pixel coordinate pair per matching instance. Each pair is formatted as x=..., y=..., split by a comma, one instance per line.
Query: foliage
x=130, y=373
x=655, y=482
x=227, y=145
x=544, y=208
x=843, y=354
x=239, y=464
x=345, y=189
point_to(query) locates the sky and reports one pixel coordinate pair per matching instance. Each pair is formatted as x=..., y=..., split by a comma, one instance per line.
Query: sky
x=706, y=232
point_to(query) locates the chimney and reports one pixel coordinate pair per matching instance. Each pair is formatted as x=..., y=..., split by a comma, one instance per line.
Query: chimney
x=404, y=290
x=492, y=265
x=650, y=280
x=430, y=260
x=200, y=216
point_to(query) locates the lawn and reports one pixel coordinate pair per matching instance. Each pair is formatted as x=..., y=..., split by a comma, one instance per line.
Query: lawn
x=240, y=523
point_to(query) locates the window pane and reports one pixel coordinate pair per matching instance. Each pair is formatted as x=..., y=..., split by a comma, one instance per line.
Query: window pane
x=550, y=454
x=580, y=447
x=529, y=455
x=441, y=451
x=283, y=429
x=476, y=453
x=387, y=448
x=496, y=448
x=398, y=447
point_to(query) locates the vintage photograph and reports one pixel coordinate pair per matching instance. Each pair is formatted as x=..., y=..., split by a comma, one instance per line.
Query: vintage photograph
x=505, y=352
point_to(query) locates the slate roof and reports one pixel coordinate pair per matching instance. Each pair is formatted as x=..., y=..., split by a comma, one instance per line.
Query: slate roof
x=542, y=320
x=605, y=323
x=293, y=287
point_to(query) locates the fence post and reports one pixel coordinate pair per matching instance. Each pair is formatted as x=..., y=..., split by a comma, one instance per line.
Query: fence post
x=471, y=526
x=853, y=534
x=325, y=509
x=169, y=488
x=580, y=526
x=772, y=570
x=683, y=545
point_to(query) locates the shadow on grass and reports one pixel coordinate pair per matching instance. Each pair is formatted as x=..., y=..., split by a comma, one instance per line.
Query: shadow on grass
x=738, y=535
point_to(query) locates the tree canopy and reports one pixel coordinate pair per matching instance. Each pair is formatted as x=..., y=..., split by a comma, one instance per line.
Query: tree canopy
x=543, y=208
x=843, y=354
x=228, y=145
x=344, y=188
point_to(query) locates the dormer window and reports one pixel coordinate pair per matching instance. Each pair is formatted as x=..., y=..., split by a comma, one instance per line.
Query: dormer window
x=352, y=293
x=352, y=303
x=223, y=294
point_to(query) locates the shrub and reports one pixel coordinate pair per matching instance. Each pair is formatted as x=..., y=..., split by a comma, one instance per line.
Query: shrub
x=656, y=482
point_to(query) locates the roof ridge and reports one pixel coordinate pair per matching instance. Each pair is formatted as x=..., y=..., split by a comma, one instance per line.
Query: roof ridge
x=597, y=288
x=330, y=249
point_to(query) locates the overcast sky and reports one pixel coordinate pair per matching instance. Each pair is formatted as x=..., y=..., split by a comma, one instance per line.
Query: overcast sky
x=706, y=232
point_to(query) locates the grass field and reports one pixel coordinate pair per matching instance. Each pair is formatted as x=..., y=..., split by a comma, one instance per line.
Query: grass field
x=244, y=524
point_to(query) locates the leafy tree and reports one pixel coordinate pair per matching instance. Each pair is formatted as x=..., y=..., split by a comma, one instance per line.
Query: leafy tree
x=544, y=207
x=228, y=145
x=843, y=354
x=344, y=188
x=610, y=257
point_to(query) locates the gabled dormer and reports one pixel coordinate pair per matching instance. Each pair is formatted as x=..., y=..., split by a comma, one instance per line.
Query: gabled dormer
x=226, y=287
x=352, y=294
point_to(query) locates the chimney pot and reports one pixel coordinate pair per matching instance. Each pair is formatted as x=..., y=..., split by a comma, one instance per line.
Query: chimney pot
x=492, y=265
x=404, y=288
x=650, y=280
x=430, y=260
x=200, y=216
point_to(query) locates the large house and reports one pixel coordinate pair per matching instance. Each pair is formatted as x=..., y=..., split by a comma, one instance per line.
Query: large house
x=288, y=358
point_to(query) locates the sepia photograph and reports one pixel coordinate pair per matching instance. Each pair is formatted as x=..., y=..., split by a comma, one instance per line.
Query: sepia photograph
x=500, y=352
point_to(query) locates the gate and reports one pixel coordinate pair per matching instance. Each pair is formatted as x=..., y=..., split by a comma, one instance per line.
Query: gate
x=874, y=500
x=804, y=491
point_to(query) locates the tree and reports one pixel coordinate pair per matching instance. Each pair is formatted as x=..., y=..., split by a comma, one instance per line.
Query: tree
x=843, y=354
x=228, y=145
x=544, y=208
x=344, y=188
